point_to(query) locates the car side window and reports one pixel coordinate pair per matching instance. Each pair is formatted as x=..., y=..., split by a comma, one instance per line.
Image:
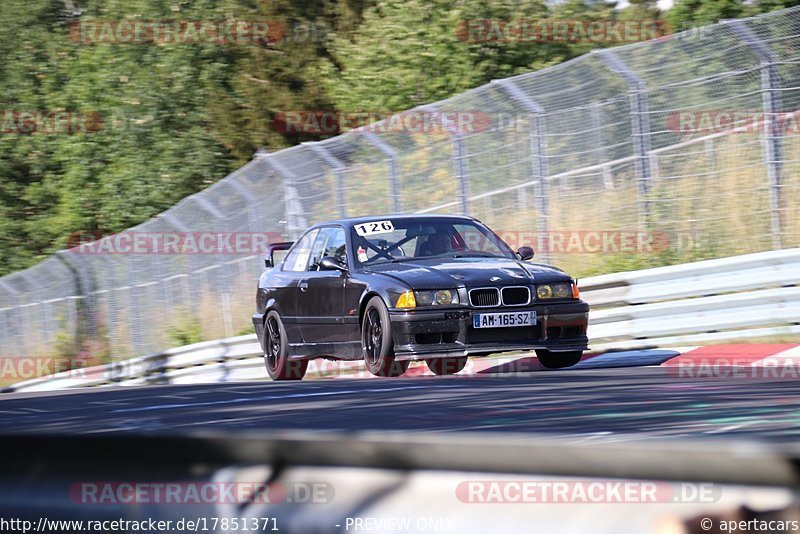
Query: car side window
x=297, y=258
x=330, y=242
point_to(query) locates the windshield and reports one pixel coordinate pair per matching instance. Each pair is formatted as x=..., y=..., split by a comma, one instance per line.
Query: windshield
x=396, y=240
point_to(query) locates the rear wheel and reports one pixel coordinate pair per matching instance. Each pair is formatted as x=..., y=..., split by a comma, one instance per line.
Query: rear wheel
x=276, y=352
x=376, y=341
x=558, y=360
x=446, y=366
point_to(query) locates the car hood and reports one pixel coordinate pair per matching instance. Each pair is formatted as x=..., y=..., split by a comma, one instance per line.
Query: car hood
x=467, y=272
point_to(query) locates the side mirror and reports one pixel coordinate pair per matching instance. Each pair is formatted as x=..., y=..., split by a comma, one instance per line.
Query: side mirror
x=331, y=264
x=268, y=261
x=525, y=253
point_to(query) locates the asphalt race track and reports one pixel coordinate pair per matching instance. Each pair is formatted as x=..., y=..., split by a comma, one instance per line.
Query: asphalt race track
x=617, y=404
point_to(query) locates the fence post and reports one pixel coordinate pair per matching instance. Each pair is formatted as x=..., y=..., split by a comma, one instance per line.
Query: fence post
x=459, y=158
x=597, y=134
x=206, y=206
x=538, y=147
x=5, y=327
x=5, y=333
x=169, y=218
x=254, y=217
x=773, y=126
x=86, y=327
x=226, y=281
x=389, y=152
x=12, y=333
x=640, y=128
x=338, y=171
x=295, y=215
x=461, y=171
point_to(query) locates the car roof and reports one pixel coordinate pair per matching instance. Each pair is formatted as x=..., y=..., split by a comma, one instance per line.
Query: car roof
x=404, y=216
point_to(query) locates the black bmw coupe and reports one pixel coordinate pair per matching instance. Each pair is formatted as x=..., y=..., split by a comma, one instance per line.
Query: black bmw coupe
x=399, y=288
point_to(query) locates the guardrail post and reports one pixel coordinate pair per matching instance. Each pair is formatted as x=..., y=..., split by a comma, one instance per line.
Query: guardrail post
x=640, y=127
x=295, y=215
x=338, y=171
x=389, y=152
x=773, y=126
x=538, y=148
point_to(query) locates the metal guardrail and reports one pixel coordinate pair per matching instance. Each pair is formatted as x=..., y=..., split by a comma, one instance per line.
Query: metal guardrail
x=223, y=360
x=742, y=297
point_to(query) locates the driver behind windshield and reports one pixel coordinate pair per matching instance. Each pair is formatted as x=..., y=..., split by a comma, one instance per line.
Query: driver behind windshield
x=405, y=240
x=438, y=243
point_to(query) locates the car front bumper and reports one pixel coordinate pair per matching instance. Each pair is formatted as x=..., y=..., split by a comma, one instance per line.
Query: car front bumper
x=424, y=334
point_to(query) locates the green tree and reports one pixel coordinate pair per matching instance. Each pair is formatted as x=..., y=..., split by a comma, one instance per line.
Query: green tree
x=404, y=54
x=408, y=53
x=175, y=118
x=686, y=14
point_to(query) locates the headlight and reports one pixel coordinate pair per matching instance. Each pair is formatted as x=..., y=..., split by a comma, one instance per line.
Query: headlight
x=544, y=292
x=438, y=297
x=554, y=291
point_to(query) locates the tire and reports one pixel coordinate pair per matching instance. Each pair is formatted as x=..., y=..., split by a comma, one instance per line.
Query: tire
x=376, y=341
x=446, y=366
x=276, y=352
x=558, y=360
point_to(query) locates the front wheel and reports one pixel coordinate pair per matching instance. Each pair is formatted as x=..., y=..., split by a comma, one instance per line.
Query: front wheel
x=376, y=341
x=276, y=352
x=558, y=360
x=446, y=366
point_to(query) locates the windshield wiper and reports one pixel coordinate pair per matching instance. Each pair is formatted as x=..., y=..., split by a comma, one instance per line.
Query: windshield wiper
x=478, y=255
x=393, y=260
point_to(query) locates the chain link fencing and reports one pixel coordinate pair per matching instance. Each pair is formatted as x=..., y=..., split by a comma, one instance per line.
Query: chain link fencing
x=692, y=138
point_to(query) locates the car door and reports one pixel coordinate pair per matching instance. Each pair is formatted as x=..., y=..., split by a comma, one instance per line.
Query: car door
x=292, y=271
x=321, y=292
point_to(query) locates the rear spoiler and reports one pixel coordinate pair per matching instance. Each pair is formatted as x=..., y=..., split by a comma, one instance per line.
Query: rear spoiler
x=269, y=255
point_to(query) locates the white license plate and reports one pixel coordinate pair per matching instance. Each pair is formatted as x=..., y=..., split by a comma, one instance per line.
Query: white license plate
x=503, y=319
